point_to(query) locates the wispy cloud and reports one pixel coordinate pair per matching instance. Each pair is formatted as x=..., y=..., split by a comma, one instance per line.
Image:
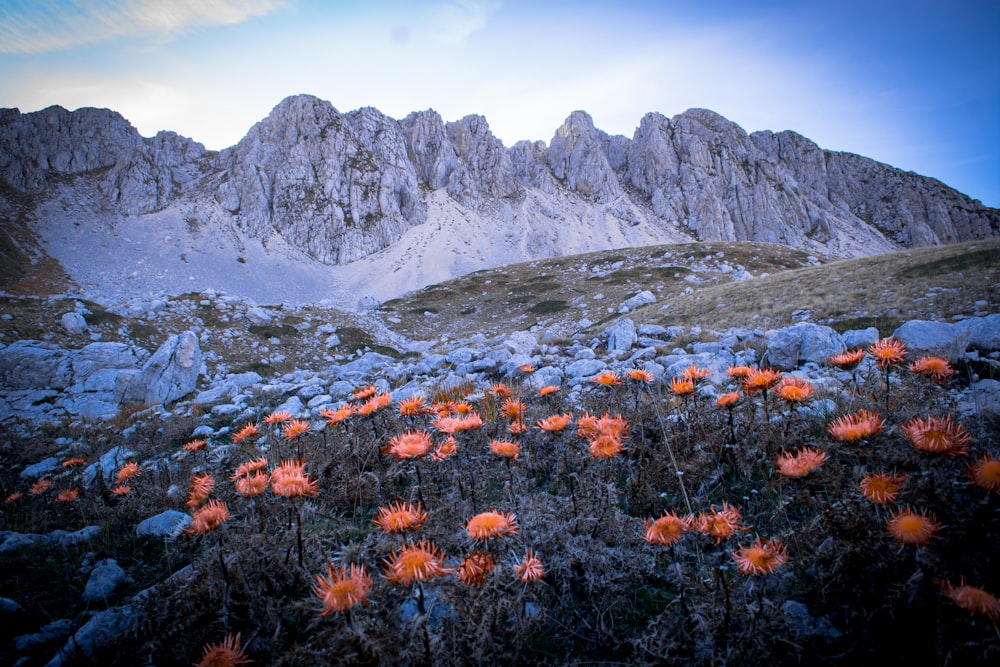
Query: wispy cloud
x=41, y=26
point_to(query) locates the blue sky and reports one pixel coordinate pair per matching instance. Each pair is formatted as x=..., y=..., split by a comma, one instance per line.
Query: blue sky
x=912, y=83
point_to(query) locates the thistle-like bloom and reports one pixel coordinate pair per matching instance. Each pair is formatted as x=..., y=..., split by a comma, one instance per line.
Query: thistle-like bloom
x=475, y=568
x=882, y=488
x=278, y=417
x=694, y=373
x=793, y=390
x=365, y=392
x=801, y=463
x=986, y=473
x=374, y=404
x=120, y=489
x=854, y=427
x=74, y=461
x=68, y=496
x=607, y=378
x=908, y=527
x=210, y=516
x=666, y=530
x=399, y=517
x=548, y=389
x=247, y=431
x=530, y=569
x=500, y=390
x=227, y=654
x=41, y=486
x=555, y=422
x=342, y=588
x=201, y=486
x=508, y=449
x=888, y=352
x=513, y=410
x=586, y=425
x=739, y=372
x=972, y=599
x=526, y=368
x=252, y=485
x=416, y=562
x=194, y=445
x=760, y=380
x=937, y=368
x=681, y=386
x=720, y=524
x=462, y=408
x=937, y=435
x=847, y=360
x=453, y=425
x=517, y=428
x=294, y=428
x=728, y=400
x=341, y=414
x=605, y=447
x=445, y=450
x=127, y=472
x=14, y=497
x=248, y=468
x=412, y=406
x=409, y=445
x=491, y=524
x=289, y=480
x=639, y=375
x=761, y=557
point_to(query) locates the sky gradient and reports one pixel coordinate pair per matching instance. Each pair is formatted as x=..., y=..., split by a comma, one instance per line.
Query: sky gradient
x=914, y=83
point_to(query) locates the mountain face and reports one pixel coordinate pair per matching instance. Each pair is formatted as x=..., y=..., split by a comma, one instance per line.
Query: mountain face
x=388, y=195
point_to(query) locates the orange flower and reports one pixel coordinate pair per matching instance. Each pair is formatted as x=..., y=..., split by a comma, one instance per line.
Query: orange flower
x=794, y=390
x=362, y=393
x=506, y=448
x=668, y=529
x=720, y=524
x=888, y=352
x=289, y=480
x=938, y=368
x=500, y=390
x=409, y=445
x=68, y=496
x=445, y=450
x=605, y=447
x=194, y=445
x=247, y=431
x=462, y=408
x=412, y=406
x=986, y=473
x=127, y=472
x=120, y=490
x=728, y=400
x=294, y=429
x=639, y=375
x=881, y=488
x=400, y=516
x=555, y=422
x=937, y=435
x=760, y=380
x=247, y=468
x=548, y=389
x=847, y=360
x=41, y=486
x=516, y=428
x=201, y=486
x=209, y=517
x=341, y=589
x=530, y=569
x=972, y=599
x=513, y=410
x=739, y=371
x=908, y=527
x=681, y=386
x=74, y=461
x=416, y=562
x=278, y=417
x=341, y=414
x=252, y=485
x=490, y=524
x=227, y=654
x=374, y=404
x=586, y=425
x=526, y=368
x=607, y=378
x=761, y=557
x=854, y=427
x=456, y=424
x=14, y=497
x=475, y=568
x=694, y=373
x=801, y=463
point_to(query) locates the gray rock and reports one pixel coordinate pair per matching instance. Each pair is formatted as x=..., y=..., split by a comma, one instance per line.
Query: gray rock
x=40, y=469
x=621, y=336
x=73, y=323
x=521, y=343
x=27, y=364
x=800, y=343
x=55, y=631
x=107, y=466
x=641, y=299
x=584, y=368
x=984, y=332
x=103, y=580
x=259, y=316
x=981, y=398
x=294, y=406
x=923, y=337
x=860, y=338
x=9, y=607
x=164, y=524
x=170, y=374
x=101, y=631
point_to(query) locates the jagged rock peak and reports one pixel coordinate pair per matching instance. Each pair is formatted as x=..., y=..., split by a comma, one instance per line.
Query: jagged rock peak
x=577, y=157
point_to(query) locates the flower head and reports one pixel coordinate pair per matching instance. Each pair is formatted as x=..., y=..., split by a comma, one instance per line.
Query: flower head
x=854, y=427
x=607, y=378
x=517, y=427
x=41, y=486
x=972, y=599
x=445, y=450
x=289, y=480
x=249, y=467
x=342, y=588
x=554, y=422
x=227, y=654
x=760, y=380
x=639, y=375
x=491, y=524
x=409, y=445
x=529, y=569
x=400, y=516
x=365, y=392
x=761, y=557
x=374, y=404
x=605, y=447
x=937, y=368
x=500, y=390
x=694, y=373
x=194, y=445
x=341, y=414
x=908, y=527
x=937, y=435
x=986, y=473
x=252, y=485
x=801, y=463
x=506, y=448
x=210, y=516
x=728, y=400
x=681, y=386
x=526, y=368
x=247, y=431
x=416, y=562
x=127, y=472
x=720, y=524
x=475, y=568
x=201, y=486
x=412, y=406
x=881, y=488
x=278, y=417
x=847, y=360
x=668, y=529
x=68, y=496
x=512, y=409
x=294, y=428
x=74, y=461
x=120, y=489
x=739, y=371
x=888, y=352
x=793, y=390
x=548, y=389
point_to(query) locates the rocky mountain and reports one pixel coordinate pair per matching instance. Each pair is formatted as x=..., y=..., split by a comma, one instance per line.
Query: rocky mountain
x=342, y=204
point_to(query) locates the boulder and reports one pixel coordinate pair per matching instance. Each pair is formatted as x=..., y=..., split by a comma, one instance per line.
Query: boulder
x=621, y=336
x=170, y=374
x=984, y=332
x=641, y=299
x=800, y=343
x=74, y=323
x=104, y=579
x=923, y=337
x=28, y=364
x=164, y=524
